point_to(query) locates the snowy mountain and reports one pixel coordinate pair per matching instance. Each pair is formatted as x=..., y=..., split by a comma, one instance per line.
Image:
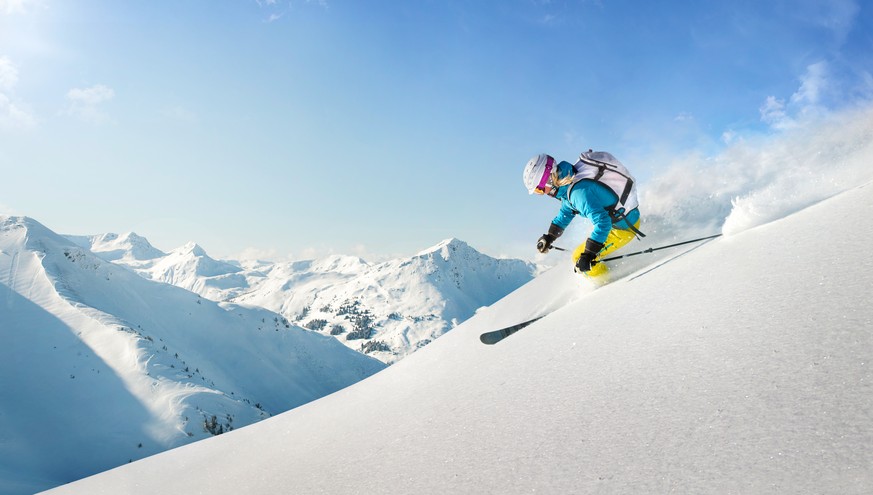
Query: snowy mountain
x=386, y=310
x=113, y=247
x=191, y=268
x=742, y=365
x=390, y=309
x=99, y=366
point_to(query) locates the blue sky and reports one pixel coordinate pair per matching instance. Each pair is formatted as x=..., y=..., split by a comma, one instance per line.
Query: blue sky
x=299, y=128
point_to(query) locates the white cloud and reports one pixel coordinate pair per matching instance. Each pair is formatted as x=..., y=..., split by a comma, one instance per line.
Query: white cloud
x=86, y=103
x=14, y=6
x=8, y=74
x=91, y=96
x=812, y=84
x=279, y=9
x=865, y=87
x=773, y=113
x=258, y=254
x=7, y=210
x=838, y=16
x=814, y=87
x=13, y=114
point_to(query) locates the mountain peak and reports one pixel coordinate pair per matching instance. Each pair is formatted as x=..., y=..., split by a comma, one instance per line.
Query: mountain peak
x=34, y=233
x=11, y=222
x=192, y=248
x=187, y=262
x=129, y=245
x=446, y=247
x=340, y=264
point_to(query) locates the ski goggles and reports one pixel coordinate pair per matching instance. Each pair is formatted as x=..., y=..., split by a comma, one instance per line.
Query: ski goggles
x=544, y=181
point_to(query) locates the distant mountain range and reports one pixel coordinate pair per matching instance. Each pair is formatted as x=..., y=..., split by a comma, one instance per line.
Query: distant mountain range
x=386, y=310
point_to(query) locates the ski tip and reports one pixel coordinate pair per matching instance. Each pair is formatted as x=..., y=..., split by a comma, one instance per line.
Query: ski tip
x=493, y=337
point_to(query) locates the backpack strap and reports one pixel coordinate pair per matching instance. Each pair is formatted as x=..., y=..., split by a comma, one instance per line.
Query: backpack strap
x=621, y=216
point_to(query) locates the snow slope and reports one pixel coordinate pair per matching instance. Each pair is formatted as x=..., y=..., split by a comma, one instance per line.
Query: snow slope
x=99, y=366
x=739, y=366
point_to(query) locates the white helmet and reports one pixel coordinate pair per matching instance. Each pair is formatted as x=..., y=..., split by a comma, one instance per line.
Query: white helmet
x=538, y=172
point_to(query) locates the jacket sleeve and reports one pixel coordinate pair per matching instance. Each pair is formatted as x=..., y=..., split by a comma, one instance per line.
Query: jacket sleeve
x=565, y=215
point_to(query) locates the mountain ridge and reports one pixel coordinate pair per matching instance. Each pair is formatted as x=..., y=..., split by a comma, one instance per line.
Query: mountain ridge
x=387, y=310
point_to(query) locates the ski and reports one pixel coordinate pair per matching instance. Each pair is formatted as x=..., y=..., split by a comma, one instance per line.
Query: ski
x=495, y=336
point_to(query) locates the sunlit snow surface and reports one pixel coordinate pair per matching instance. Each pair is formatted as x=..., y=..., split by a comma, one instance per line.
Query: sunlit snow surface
x=740, y=366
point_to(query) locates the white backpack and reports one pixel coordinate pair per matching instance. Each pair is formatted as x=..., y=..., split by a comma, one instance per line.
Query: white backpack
x=607, y=170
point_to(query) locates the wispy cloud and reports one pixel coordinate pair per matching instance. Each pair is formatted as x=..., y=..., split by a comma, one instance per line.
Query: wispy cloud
x=773, y=113
x=553, y=13
x=8, y=74
x=865, y=86
x=87, y=103
x=259, y=254
x=278, y=9
x=7, y=210
x=9, y=7
x=814, y=85
x=838, y=16
x=13, y=114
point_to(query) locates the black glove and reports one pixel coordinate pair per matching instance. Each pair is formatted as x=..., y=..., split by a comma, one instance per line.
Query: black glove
x=586, y=260
x=545, y=242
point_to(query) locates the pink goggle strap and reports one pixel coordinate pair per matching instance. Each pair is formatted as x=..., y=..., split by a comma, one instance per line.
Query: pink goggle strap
x=549, y=163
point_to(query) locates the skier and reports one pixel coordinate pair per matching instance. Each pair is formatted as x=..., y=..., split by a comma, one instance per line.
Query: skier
x=597, y=187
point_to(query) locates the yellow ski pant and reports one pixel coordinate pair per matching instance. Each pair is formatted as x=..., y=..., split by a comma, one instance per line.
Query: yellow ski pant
x=616, y=239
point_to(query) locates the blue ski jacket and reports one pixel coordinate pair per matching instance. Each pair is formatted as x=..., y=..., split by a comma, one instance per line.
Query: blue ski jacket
x=593, y=201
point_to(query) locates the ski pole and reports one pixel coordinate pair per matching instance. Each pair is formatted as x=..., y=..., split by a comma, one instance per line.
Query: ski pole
x=659, y=248
x=613, y=258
